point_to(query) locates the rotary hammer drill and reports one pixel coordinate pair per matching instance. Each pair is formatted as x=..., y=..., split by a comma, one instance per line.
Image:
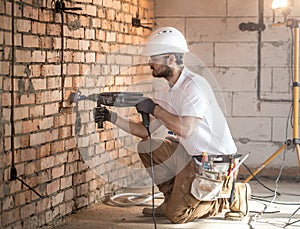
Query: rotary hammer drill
x=116, y=99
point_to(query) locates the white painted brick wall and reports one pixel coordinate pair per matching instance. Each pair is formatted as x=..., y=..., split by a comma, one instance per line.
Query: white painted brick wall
x=281, y=129
x=235, y=54
x=221, y=29
x=247, y=104
x=176, y=22
x=203, y=52
x=246, y=8
x=253, y=128
x=275, y=33
x=276, y=54
x=235, y=79
x=261, y=151
x=191, y=8
x=276, y=83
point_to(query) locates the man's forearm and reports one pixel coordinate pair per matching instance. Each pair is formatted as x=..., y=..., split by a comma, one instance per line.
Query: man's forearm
x=180, y=125
x=134, y=128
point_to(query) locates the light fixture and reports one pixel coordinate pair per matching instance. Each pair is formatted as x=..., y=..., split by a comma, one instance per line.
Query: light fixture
x=285, y=6
x=277, y=4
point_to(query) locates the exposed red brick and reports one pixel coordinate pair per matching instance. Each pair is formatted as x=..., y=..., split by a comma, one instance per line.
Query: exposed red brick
x=23, y=56
x=36, y=111
x=58, y=171
x=30, y=41
x=27, y=99
x=46, y=154
x=69, y=194
x=27, y=210
x=32, y=167
x=47, y=162
x=38, y=28
x=66, y=182
x=70, y=144
x=53, y=187
x=30, y=125
x=28, y=154
x=10, y=216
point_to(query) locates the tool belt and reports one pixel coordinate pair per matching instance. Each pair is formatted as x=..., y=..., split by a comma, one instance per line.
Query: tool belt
x=216, y=158
x=215, y=182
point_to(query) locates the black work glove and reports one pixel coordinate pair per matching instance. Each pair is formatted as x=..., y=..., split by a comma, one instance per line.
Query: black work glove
x=102, y=114
x=147, y=106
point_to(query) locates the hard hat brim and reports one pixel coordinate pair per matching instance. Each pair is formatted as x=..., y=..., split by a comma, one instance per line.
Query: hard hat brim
x=153, y=49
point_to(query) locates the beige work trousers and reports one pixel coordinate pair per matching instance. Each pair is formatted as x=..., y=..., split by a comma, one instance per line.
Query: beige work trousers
x=174, y=172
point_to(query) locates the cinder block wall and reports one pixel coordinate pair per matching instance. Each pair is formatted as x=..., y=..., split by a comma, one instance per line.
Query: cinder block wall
x=256, y=100
x=38, y=135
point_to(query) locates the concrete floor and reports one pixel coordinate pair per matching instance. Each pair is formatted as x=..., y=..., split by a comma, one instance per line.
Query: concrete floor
x=277, y=215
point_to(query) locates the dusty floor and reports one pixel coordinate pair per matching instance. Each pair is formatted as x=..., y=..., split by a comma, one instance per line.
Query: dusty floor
x=277, y=214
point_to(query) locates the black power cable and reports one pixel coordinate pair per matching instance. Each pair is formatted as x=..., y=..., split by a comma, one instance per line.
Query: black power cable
x=291, y=223
x=261, y=183
x=146, y=124
x=153, y=183
x=13, y=170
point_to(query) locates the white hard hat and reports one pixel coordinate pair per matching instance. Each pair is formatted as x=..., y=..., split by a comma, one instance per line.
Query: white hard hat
x=165, y=40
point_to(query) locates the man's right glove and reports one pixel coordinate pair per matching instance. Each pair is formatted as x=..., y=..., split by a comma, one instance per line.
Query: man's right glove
x=146, y=106
x=102, y=114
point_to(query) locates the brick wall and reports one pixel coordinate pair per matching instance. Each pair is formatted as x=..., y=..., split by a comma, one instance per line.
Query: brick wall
x=255, y=113
x=70, y=167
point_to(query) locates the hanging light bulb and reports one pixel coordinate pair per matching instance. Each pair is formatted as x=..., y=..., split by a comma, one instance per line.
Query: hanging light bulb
x=276, y=4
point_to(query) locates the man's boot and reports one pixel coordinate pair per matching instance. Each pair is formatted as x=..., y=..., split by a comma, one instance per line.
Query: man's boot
x=159, y=211
x=239, y=206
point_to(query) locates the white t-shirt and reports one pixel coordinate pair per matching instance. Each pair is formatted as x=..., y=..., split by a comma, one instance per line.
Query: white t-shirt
x=192, y=96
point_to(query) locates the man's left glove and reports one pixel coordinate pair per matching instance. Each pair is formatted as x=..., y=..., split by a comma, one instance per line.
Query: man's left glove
x=102, y=114
x=146, y=106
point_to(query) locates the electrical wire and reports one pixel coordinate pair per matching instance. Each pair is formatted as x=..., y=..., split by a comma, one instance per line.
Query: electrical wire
x=13, y=170
x=253, y=218
x=153, y=183
x=277, y=202
x=12, y=99
x=62, y=62
x=273, y=212
x=290, y=218
x=134, y=199
x=142, y=198
x=261, y=183
x=30, y=188
x=288, y=223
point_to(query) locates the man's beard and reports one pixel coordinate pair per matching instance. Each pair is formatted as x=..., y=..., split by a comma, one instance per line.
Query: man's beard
x=164, y=71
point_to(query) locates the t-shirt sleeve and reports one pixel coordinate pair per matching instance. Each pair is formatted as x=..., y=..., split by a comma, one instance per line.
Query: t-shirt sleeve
x=195, y=100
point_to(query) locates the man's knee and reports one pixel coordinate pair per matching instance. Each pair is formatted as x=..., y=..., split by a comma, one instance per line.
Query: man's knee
x=146, y=146
x=141, y=147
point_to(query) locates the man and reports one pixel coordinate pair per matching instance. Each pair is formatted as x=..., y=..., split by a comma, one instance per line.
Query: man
x=188, y=109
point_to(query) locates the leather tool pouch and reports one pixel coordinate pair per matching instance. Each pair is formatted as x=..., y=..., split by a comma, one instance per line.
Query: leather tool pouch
x=209, y=185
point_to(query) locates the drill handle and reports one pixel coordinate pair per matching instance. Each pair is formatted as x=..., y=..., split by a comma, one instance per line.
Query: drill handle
x=146, y=121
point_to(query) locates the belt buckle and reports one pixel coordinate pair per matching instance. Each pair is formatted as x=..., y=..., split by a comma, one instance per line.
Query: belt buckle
x=217, y=158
